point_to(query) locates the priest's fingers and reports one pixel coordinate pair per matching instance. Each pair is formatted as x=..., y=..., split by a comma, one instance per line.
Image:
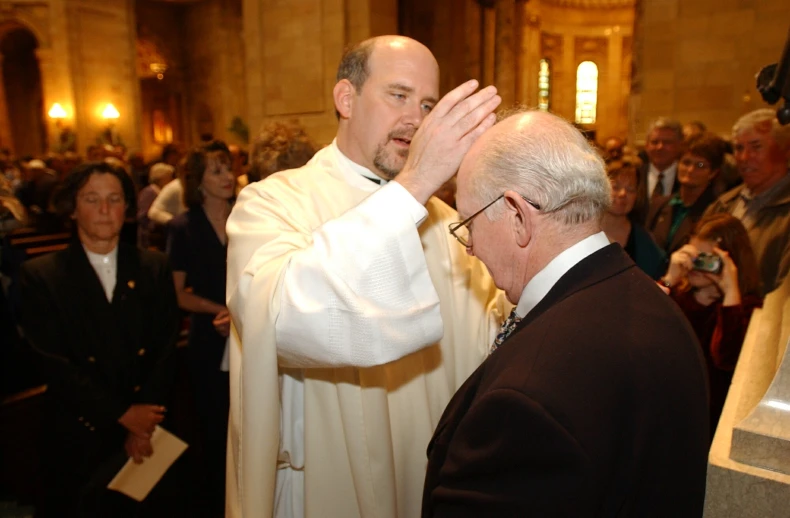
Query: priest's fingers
x=453, y=97
x=470, y=112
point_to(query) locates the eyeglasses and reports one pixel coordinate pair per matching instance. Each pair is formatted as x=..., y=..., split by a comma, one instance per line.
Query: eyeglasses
x=697, y=164
x=460, y=230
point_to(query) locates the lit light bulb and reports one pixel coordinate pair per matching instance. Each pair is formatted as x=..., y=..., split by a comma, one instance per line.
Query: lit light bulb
x=110, y=112
x=57, y=112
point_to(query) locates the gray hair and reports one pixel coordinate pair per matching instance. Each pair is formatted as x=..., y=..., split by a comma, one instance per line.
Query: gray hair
x=549, y=162
x=764, y=116
x=160, y=170
x=668, y=124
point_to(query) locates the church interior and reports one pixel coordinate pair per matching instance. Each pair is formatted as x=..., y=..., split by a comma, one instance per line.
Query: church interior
x=130, y=80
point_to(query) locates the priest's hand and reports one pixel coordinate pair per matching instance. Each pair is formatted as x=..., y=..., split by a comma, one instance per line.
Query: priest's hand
x=138, y=447
x=142, y=419
x=445, y=136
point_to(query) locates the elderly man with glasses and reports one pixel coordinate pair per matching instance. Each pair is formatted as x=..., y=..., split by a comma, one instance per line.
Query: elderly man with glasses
x=593, y=400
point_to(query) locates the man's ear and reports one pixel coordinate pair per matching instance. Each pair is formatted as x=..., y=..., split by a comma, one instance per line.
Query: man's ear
x=343, y=93
x=520, y=217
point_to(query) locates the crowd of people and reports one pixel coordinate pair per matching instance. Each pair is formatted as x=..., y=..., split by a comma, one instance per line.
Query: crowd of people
x=337, y=331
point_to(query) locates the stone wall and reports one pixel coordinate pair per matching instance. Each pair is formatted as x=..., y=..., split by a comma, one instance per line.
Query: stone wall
x=215, y=75
x=696, y=60
x=292, y=51
x=102, y=57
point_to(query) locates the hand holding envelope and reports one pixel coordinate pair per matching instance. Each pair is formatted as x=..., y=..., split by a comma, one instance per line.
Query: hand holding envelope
x=137, y=479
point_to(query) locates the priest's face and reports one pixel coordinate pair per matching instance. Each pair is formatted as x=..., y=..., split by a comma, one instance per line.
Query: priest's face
x=401, y=90
x=100, y=209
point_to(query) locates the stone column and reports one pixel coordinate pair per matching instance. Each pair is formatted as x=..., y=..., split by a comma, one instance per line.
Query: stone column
x=612, y=115
x=6, y=139
x=44, y=58
x=505, y=51
x=529, y=58
x=568, y=84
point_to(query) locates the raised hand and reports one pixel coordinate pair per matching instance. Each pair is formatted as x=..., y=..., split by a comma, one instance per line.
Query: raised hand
x=728, y=279
x=445, y=136
x=681, y=262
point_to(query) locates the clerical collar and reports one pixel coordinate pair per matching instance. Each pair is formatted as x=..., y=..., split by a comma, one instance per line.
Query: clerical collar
x=360, y=170
x=540, y=285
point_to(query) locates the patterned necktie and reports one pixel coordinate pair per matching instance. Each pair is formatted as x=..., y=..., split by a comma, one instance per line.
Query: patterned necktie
x=508, y=326
x=658, y=190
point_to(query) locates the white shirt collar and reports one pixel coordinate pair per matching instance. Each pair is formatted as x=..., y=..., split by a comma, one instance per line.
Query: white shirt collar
x=669, y=177
x=346, y=162
x=102, y=259
x=106, y=268
x=540, y=285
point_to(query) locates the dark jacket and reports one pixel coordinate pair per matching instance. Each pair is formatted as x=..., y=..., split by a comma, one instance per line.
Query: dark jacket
x=99, y=357
x=595, y=406
x=644, y=203
x=659, y=220
x=770, y=233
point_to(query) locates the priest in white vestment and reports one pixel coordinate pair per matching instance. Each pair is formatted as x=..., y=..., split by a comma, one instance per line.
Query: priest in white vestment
x=355, y=314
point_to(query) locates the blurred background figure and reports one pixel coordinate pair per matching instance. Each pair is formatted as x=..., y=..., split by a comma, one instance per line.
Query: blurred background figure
x=619, y=220
x=149, y=233
x=672, y=218
x=613, y=149
x=693, y=129
x=197, y=246
x=279, y=146
x=718, y=304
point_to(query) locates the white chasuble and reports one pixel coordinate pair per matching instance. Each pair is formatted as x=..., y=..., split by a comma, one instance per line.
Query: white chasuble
x=356, y=316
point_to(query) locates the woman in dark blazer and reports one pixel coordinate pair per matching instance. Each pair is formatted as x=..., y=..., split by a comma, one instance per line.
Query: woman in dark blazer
x=102, y=317
x=197, y=245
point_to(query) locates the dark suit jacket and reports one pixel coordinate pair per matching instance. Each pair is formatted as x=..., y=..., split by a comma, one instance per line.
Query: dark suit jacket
x=99, y=357
x=659, y=220
x=644, y=203
x=595, y=406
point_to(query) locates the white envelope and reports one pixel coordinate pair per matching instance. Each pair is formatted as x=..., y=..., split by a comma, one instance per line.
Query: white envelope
x=137, y=480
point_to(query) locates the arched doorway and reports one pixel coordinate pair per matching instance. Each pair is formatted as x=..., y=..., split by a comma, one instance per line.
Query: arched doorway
x=24, y=98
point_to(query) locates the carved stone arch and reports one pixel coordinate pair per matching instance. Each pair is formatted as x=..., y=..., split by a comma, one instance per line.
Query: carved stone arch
x=19, y=20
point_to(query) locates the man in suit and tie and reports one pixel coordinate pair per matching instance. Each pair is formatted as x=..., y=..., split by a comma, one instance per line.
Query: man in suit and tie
x=593, y=400
x=659, y=174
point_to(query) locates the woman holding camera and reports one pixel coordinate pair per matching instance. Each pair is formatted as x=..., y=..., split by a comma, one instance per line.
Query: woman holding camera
x=716, y=282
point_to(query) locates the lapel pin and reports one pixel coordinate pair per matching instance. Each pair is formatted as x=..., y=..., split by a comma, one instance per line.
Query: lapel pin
x=130, y=284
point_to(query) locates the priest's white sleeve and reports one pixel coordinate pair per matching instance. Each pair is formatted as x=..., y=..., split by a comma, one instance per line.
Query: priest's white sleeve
x=361, y=294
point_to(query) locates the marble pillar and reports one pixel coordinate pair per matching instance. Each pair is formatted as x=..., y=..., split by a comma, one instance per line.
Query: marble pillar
x=6, y=138
x=749, y=461
x=505, y=51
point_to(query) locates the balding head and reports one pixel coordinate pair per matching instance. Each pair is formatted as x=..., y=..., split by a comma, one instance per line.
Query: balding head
x=355, y=63
x=544, y=158
x=386, y=87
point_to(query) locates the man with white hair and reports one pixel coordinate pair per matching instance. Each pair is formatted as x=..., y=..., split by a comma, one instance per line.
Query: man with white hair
x=762, y=202
x=593, y=401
